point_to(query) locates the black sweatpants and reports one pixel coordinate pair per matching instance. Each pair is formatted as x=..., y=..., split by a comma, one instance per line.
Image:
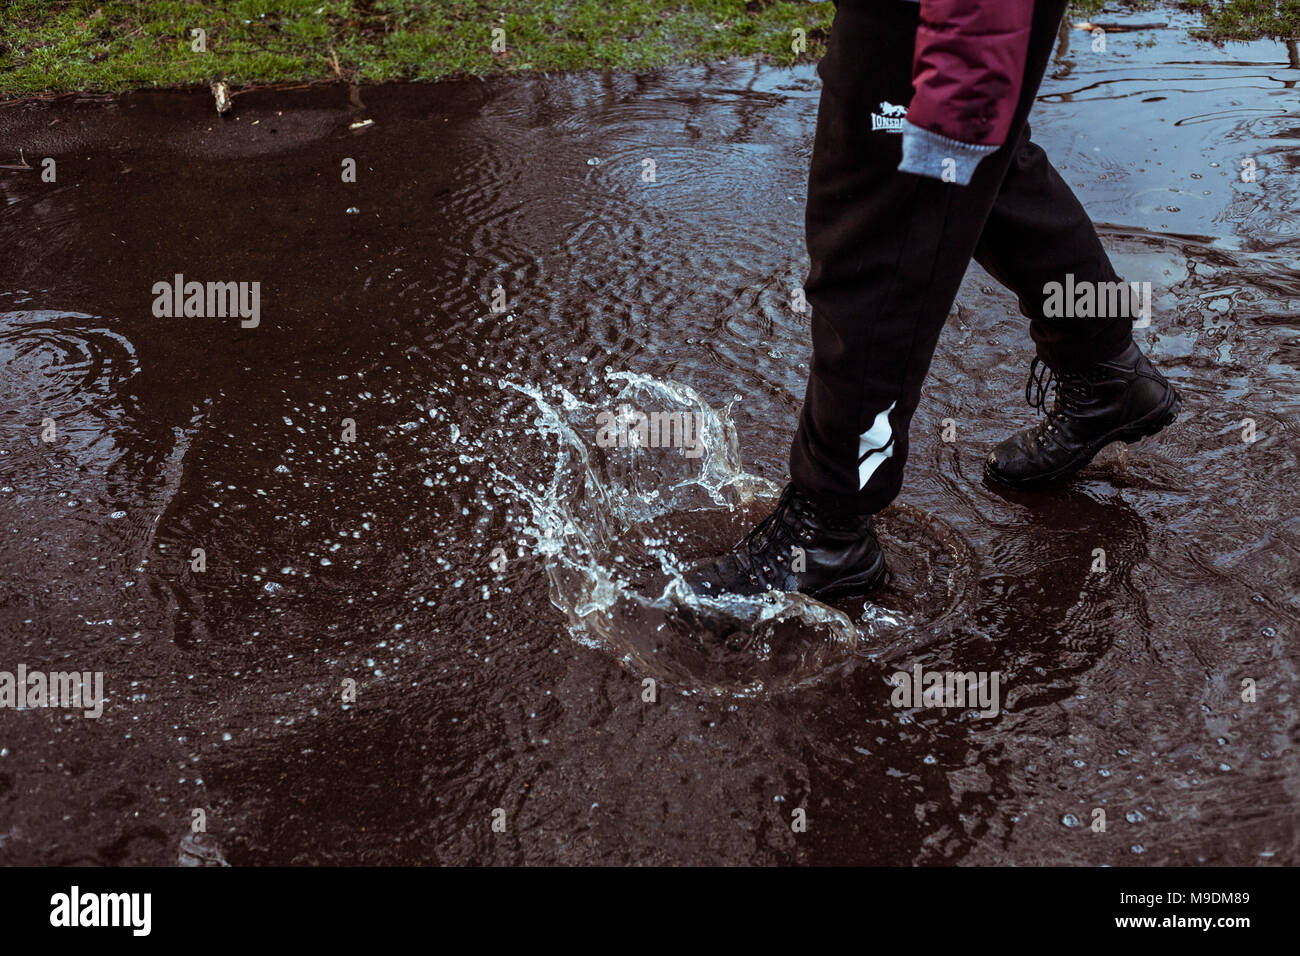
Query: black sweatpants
x=889, y=251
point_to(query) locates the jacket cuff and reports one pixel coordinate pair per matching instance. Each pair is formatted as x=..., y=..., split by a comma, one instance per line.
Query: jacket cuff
x=924, y=154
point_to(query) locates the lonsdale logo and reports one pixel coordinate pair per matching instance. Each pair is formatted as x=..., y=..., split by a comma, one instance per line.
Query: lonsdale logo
x=890, y=117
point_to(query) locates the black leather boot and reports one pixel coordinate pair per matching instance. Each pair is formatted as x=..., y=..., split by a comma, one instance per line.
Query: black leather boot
x=1123, y=399
x=798, y=547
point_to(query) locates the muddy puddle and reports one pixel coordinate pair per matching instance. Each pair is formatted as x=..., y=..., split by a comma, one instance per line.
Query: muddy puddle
x=427, y=597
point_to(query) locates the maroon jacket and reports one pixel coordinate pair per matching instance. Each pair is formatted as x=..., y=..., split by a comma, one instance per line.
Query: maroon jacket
x=967, y=73
x=969, y=66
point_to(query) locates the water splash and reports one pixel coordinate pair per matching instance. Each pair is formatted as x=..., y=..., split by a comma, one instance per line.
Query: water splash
x=617, y=523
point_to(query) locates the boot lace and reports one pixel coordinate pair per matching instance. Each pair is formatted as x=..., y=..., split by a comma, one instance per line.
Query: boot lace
x=1072, y=390
x=772, y=537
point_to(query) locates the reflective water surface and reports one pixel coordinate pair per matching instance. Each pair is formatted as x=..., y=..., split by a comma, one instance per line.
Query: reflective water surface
x=431, y=593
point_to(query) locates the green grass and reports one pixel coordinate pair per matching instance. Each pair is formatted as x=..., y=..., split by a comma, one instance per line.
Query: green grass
x=112, y=45
x=53, y=46
x=1247, y=19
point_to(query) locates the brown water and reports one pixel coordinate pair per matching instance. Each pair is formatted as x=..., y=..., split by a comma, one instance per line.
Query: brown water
x=518, y=686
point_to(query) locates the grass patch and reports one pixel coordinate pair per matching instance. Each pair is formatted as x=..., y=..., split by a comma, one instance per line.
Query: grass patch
x=115, y=45
x=1247, y=19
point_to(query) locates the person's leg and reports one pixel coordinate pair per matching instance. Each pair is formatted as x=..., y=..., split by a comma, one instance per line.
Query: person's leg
x=1038, y=233
x=1106, y=390
x=888, y=252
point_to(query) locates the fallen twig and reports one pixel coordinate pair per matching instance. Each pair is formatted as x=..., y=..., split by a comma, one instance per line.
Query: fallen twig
x=1120, y=27
x=21, y=164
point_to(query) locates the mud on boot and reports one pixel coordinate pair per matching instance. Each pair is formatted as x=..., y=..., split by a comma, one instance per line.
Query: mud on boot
x=1121, y=399
x=800, y=546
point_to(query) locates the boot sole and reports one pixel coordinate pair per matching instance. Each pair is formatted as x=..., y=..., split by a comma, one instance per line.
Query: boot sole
x=858, y=583
x=1150, y=424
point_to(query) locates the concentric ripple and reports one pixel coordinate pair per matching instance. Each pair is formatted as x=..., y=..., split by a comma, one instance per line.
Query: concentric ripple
x=60, y=363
